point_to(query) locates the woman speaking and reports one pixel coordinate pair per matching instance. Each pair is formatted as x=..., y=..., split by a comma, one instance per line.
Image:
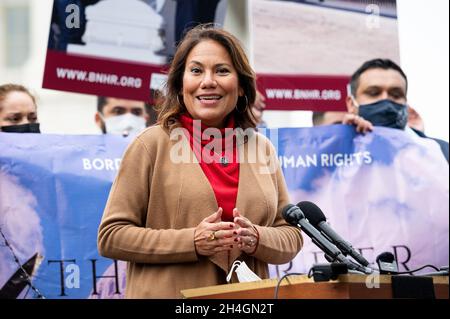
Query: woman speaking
x=201, y=189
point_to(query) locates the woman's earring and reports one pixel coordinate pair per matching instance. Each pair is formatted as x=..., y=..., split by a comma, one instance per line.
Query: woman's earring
x=246, y=105
x=178, y=99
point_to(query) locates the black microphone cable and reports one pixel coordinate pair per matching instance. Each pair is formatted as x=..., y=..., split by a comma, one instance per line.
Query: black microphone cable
x=416, y=270
x=281, y=279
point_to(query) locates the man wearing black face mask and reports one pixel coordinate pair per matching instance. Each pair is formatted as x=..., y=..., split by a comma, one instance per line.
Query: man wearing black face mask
x=378, y=95
x=17, y=110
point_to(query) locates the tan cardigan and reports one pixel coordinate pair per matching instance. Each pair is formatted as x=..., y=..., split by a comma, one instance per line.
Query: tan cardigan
x=155, y=204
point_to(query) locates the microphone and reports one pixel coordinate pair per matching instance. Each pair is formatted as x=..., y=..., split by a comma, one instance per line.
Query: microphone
x=316, y=217
x=387, y=264
x=325, y=272
x=294, y=216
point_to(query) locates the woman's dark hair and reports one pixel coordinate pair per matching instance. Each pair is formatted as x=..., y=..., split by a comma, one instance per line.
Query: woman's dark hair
x=171, y=108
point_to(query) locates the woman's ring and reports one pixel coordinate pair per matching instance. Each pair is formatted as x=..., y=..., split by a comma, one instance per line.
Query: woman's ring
x=211, y=236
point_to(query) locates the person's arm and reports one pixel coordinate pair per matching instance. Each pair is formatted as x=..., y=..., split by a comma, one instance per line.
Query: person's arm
x=122, y=234
x=279, y=243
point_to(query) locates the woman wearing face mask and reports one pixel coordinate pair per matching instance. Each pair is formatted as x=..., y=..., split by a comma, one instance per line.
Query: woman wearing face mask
x=17, y=110
x=202, y=189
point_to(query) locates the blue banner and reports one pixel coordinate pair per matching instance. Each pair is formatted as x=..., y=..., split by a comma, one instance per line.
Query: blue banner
x=53, y=189
x=383, y=191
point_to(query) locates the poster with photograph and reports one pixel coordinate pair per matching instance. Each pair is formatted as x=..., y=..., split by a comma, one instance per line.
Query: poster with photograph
x=306, y=50
x=119, y=48
x=383, y=192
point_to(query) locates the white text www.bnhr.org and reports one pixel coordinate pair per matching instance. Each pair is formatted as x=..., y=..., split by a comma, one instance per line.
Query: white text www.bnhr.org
x=99, y=78
x=298, y=94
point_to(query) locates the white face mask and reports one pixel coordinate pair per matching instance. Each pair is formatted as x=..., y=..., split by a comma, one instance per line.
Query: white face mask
x=243, y=273
x=126, y=124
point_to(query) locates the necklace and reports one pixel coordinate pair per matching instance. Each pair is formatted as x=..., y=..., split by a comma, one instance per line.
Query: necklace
x=224, y=161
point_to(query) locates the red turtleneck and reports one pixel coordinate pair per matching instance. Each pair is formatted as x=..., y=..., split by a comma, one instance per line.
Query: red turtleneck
x=224, y=179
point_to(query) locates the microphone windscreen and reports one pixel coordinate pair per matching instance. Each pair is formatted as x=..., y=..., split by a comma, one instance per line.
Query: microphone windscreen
x=291, y=214
x=386, y=257
x=285, y=213
x=286, y=209
x=312, y=212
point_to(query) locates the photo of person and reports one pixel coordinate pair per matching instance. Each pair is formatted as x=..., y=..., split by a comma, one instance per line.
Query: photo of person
x=147, y=33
